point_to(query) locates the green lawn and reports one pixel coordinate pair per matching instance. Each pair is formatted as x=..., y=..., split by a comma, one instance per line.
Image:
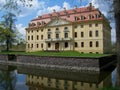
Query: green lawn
x=61, y=53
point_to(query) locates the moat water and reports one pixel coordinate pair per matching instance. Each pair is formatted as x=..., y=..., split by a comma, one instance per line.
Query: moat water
x=21, y=78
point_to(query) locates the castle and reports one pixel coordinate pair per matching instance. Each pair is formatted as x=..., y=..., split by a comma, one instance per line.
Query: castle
x=82, y=29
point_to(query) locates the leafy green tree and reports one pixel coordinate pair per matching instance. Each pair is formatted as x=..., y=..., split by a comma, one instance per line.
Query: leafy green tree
x=7, y=31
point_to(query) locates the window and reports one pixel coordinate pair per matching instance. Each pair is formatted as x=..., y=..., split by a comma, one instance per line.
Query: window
x=82, y=17
x=38, y=23
x=66, y=35
x=90, y=25
x=90, y=16
x=75, y=34
x=76, y=44
x=32, y=31
x=96, y=24
x=31, y=45
x=90, y=85
x=41, y=30
x=97, y=15
x=37, y=37
x=49, y=36
x=82, y=34
x=49, y=30
x=28, y=37
x=32, y=37
x=76, y=18
x=49, y=45
x=75, y=26
x=37, y=30
x=57, y=36
x=37, y=45
x=82, y=26
x=65, y=28
x=82, y=44
x=97, y=44
x=42, y=45
x=66, y=44
x=96, y=33
x=28, y=31
x=41, y=37
x=90, y=33
x=82, y=83
x=57, y=28
x=90, y=44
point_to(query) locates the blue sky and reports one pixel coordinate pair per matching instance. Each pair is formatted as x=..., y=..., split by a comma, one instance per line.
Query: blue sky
x=41, y=7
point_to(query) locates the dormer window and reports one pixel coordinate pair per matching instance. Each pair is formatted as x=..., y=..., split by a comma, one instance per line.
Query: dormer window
x=97, y=15
x=76, y=18
x=43, y=23
x=38, y=23
x=82, y=17
x=90, y=16
x=33, y=24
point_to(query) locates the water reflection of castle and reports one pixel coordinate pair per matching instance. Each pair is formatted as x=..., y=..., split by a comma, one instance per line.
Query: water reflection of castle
x=54, y=80
x=38, y=83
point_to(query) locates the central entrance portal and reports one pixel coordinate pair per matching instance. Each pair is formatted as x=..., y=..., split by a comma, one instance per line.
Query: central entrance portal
x=56, y=46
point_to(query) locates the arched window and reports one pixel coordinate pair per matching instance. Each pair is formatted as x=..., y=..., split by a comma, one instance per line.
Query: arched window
x=49, y=45
x=76, y=44
x=37, y=37
x=37, y=45
x=90, y=33
x=82, y=44
x=82, y=34
x=32, y=37
x=66, y=35
x=90, y=44
x=97, y=44
x=96, y=33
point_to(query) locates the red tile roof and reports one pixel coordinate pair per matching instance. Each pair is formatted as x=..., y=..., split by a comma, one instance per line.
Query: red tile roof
x=70, y=15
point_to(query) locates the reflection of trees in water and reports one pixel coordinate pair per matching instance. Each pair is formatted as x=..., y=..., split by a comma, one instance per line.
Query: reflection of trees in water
x=7, y=80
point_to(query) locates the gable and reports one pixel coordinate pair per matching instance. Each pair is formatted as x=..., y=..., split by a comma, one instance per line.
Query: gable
x=58, y=22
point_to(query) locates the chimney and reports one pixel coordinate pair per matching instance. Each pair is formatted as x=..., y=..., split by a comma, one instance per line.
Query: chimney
x=90, y=4
x=75, y=7
x=64, y=9
x=54, y=10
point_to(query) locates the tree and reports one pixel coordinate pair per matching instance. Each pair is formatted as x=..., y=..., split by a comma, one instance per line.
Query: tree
x=8, y=32
x=117, y=23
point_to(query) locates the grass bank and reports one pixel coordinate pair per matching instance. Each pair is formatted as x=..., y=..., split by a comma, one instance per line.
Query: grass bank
x=61, y=53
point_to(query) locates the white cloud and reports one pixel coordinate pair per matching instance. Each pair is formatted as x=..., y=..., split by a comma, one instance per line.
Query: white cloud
x=2, y=2
x=36, y=4
x=45, y=9
x=21, y=29
x=66, y=5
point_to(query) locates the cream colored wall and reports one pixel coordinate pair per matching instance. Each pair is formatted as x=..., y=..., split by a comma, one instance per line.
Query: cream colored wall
x=86, y=39
x=104, y=37
x=61, y=37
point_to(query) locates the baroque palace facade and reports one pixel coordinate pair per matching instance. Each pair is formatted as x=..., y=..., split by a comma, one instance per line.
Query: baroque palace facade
x=81, y=29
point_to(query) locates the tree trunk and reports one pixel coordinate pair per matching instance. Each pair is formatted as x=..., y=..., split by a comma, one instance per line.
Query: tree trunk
x=7, y=44
x=117, y=21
